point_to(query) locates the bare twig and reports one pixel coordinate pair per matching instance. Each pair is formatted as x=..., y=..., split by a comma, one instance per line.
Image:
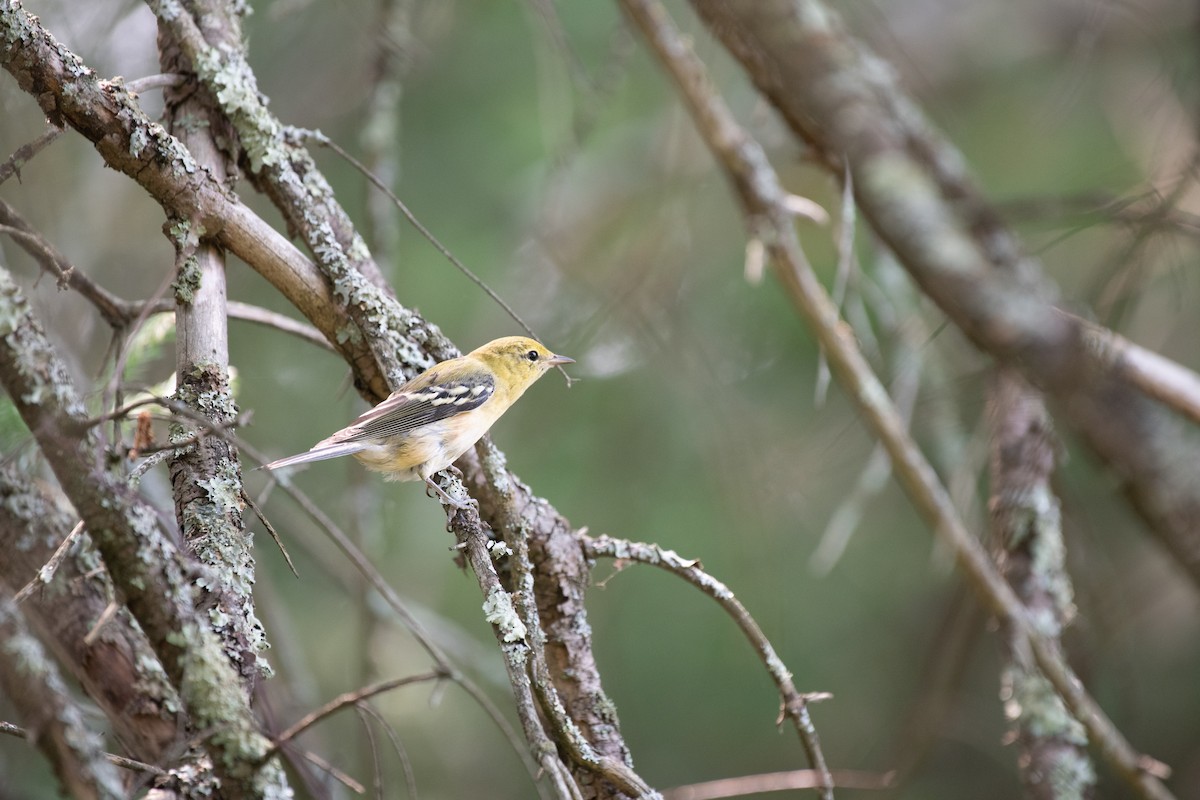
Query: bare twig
x=115, y=311
x=46, y=573
x=410, y=778
x=777, y=782
x=162, y=80
x=270, y=529
x=8, y=729
x=846, y=264
x=334, y=772
x=12, y=166
x=1165, y=380
x=119, y=312
x=349, y=699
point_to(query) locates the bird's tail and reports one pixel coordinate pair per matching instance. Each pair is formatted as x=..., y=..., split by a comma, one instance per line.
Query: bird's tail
x=320, y=452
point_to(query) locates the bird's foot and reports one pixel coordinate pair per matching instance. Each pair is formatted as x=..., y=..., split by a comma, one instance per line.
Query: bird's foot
x=453, y=504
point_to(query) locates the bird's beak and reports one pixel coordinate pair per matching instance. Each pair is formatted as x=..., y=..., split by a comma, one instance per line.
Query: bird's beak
x=555, y=360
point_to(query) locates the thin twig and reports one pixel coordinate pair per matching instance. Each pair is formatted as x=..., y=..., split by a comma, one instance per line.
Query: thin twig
x=161, y=80
x=46, y=573
x=12, y=166
x=9, y=729
x=1165, y=380
x=376, y=767
x=270, y=529
x=105, y=617
x=348, y=699
x=334, y=772
x=410, y=778
x=777, y=782
x=845, y=265
x=325, y=141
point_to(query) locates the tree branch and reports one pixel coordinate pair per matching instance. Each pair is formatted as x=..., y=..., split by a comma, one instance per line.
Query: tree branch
x=207, y=477
x=794, y=704
x=131, y=143
x=287, y=173
x=1025, y=518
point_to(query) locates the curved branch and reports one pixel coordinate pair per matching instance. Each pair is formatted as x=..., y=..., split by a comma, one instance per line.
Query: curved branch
x=348, y=699
x=794, y=703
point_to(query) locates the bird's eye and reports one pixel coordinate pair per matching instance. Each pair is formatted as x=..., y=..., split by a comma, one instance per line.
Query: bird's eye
x=532, y=355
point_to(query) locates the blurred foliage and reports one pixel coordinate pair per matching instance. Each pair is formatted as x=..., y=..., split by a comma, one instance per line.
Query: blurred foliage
x=550, y=155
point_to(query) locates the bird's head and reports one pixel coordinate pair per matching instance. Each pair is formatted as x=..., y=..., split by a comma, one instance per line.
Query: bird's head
x=518, y=360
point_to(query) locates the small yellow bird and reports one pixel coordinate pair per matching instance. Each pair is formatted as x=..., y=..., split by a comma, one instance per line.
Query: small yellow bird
x=426, y=424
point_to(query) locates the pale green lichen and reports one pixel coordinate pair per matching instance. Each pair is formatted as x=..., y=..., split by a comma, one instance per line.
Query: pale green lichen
x=186, y=238
x=15, y=310
x=1031, y=701
x=224, y=492
x=138, y=140
x=232, y=81
x=498, y=610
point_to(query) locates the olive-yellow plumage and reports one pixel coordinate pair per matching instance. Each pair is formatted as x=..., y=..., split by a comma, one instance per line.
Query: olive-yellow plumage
x=426, y=424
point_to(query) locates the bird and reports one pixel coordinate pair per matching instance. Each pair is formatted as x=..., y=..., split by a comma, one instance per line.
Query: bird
x=426, y=424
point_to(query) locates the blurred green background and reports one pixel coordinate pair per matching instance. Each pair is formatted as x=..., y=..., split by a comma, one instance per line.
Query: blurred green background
x=548, y=152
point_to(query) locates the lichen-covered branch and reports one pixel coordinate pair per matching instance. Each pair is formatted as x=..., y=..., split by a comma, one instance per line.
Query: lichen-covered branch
x=595, y=774
x=1054, y=762
x=914, y=189
x=206, y=476
x=560, y=576
x=153, y=576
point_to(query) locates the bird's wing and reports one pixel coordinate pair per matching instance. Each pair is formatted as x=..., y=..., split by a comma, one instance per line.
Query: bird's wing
x=418, y=403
